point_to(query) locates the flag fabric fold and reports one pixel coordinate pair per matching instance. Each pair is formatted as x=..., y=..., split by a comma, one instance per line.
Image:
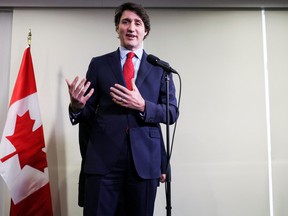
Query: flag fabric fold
x=23, y=161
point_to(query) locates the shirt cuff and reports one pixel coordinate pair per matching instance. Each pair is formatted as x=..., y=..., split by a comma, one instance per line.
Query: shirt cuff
x=142, y=115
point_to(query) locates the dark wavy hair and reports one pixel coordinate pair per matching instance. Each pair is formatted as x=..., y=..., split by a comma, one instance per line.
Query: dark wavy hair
x=136, y=8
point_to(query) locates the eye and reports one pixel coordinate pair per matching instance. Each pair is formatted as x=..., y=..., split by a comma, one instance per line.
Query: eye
x=125, y=21
x=138, y=23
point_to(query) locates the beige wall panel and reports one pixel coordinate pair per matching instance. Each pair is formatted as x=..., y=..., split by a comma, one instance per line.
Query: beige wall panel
x=277, y=36
x=220, y=154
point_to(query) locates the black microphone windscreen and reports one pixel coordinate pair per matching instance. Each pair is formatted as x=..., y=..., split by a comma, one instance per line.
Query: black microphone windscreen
x=152, y=59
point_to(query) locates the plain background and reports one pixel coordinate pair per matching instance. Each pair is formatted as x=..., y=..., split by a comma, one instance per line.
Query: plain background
x=220, y=158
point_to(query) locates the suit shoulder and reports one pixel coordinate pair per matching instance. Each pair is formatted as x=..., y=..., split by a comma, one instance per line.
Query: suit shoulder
x=105, y=56
x=103, y=61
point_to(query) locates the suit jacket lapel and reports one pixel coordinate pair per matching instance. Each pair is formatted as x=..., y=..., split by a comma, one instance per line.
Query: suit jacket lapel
x=144, y=70
x=114, y=61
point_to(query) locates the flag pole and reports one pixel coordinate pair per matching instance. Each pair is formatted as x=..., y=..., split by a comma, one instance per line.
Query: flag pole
x=29, y=38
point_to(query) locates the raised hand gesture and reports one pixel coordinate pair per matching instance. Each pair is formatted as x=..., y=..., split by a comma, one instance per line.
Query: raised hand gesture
x=77, y=91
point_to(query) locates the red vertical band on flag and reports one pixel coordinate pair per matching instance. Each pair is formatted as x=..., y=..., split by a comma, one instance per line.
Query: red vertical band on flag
x=35, y=204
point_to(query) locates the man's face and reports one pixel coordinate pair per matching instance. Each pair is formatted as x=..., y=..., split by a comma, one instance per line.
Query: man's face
x=131, y=30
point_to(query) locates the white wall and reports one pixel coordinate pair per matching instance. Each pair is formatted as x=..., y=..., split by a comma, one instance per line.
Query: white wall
x=219, y=164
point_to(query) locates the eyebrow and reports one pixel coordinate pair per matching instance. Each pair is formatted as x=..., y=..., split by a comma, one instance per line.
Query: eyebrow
x=130, y=20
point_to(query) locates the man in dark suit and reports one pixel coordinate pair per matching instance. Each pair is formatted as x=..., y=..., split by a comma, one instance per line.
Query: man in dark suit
x=119, y=123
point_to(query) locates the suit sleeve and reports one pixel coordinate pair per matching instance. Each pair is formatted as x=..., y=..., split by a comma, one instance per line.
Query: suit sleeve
x=156, y=113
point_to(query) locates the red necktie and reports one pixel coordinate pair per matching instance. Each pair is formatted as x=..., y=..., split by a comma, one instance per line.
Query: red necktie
x=128, y=70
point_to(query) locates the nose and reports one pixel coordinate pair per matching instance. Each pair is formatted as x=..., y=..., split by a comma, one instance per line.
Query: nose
x=131, y=27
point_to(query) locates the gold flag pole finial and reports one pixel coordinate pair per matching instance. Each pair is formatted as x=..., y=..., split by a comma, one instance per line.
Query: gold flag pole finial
x=29, y=38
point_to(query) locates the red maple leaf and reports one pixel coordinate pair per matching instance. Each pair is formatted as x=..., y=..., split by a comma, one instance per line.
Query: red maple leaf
x=28, y=143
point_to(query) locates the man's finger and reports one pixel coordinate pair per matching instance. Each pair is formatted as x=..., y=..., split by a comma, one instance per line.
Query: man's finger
x=68, y=83
x=84, y=89
x=134, y=87
x=75, y=81
x=89, y=95
x=121, y=88
x=117, y=90
x=80, y=87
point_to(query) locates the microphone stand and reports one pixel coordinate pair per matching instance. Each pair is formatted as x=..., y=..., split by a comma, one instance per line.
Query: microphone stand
x=168, y=172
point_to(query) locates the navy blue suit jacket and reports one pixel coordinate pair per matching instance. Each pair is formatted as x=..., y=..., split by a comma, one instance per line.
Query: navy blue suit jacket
x=104, y=124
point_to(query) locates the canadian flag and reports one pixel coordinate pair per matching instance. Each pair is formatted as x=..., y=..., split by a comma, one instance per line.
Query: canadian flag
x=23, y=162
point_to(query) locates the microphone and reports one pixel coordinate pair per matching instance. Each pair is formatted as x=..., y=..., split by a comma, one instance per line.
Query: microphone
x=157, y=62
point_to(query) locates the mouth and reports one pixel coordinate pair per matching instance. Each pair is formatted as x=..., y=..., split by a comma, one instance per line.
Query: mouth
x=130, y=36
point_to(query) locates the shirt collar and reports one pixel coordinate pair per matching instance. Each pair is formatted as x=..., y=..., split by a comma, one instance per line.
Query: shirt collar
x=124, y=52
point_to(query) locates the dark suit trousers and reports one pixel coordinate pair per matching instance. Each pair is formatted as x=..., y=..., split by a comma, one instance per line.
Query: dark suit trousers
x=121, y=192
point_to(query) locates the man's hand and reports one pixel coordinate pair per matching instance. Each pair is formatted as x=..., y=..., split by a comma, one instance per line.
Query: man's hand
x=77, y=91
x=126, y=98
x=163, y=178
